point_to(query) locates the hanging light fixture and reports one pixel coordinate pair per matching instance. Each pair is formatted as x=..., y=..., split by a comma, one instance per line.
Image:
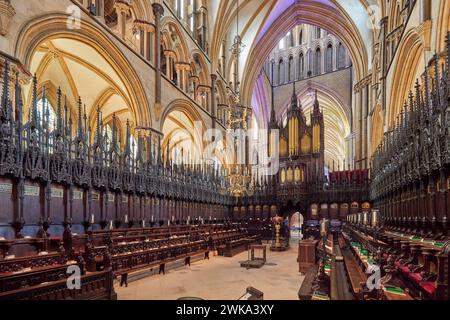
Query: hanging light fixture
x=238, y=175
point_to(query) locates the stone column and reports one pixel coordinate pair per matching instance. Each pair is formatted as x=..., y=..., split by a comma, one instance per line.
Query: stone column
x=146, y=28
x=335, y=57
x=358, y=122
x=158, y=11
x=195, y=81
x=182, y=69
x=323, y=57
x=224, y=58
x=187, y=69
x=100, y=8
x=213, y=100
x=139, y=29
x=168, y=64
x=364, y=114
x=170, y=58
x=205, y=90
x=180, y=74
x=383, y=26
x=122, y=10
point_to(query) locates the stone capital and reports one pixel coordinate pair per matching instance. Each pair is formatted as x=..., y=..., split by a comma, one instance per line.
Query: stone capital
x=144, y=25
x=122, y=6
x=158, y=10
x=182, y=66
x=204, y=88
x=169, y=53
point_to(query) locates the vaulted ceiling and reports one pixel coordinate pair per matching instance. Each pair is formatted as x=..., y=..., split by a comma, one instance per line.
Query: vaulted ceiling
x=263, y=22
x=80, y=71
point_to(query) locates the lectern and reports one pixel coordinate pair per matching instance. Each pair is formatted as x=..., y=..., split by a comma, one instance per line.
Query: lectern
x=307, y=254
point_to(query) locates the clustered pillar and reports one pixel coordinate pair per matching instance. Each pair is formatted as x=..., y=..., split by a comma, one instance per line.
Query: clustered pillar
x=158, y=11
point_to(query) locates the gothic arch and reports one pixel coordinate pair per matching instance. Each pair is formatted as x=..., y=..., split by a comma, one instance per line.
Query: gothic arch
x=180, y=129
x=54, y=26
x=395, y=15
x=406, y=67
x=185, y=107
x=308, y=13
x=169, y=27
x=203, y=71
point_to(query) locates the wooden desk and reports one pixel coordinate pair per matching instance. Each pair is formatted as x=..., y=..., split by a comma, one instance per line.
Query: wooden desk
x=307, y=254
x=259, y=247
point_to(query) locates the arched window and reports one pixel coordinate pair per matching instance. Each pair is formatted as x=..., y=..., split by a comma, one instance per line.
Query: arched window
x=341, y=56
x=290, y=39
x=310, y=63
x=133, y=146
x=318, y=33
x=301, y=66
x=300, y=38
x=272, y=72
x=108, y=136
x=329, y=58
x=317, y=62
x=281, y=72
x=291, y=69
x=179, y=8
x=46, y=114
x=281, y=44
x=191, y=15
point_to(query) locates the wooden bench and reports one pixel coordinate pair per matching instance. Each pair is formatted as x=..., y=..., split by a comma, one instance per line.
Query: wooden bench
x=305, y=291
x=161, y=264
x=94, y=286
x=357, y=278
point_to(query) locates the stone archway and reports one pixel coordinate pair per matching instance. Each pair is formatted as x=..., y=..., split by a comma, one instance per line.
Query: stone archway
x=53, y=27
x=308, y=13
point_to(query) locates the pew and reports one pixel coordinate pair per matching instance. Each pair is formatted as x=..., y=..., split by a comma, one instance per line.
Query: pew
x=25, y=267
x=94, y=286
x=234, y=247
x=412, y=267
x=356, y=277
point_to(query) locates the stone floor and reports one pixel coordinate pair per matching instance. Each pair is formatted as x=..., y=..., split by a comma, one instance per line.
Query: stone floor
x=222, y=278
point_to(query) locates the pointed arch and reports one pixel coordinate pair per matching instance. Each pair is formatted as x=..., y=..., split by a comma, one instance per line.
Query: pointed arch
x=53, y=26
x=406, y=70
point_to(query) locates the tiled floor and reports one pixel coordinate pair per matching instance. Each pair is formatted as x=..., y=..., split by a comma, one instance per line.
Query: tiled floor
x=222, y=279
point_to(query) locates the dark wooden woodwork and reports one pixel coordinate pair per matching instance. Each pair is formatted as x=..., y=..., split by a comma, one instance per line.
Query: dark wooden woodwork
x=94, y=286
x=307, y=254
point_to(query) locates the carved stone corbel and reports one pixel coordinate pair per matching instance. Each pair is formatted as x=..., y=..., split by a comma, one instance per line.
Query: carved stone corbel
x=6, y=13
